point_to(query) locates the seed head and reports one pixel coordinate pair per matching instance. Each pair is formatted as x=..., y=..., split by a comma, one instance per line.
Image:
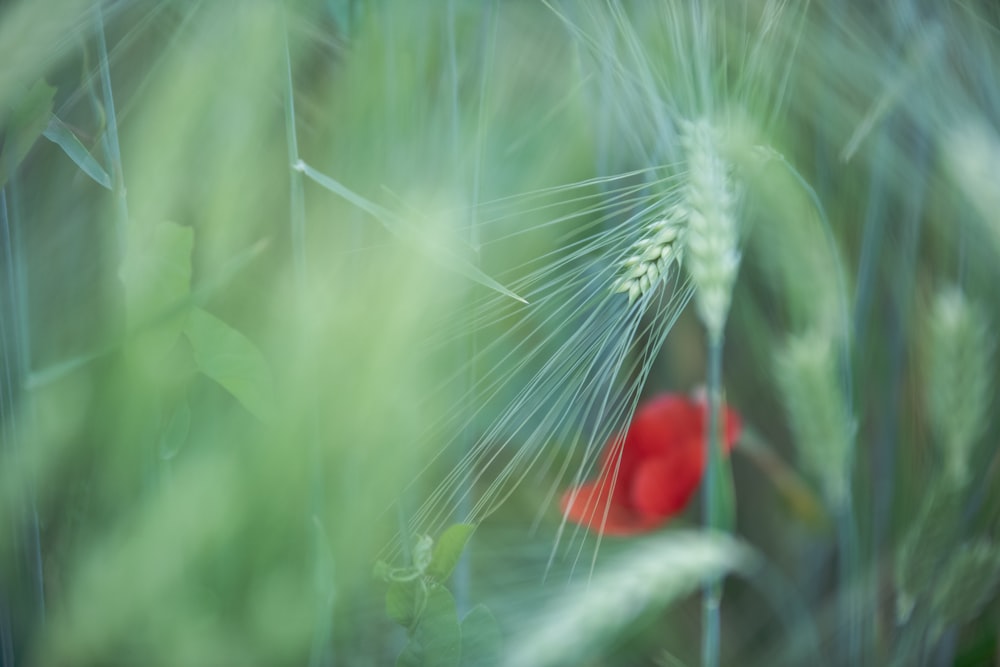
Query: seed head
x=712, y=243
x=960, y=381
x=661, y=245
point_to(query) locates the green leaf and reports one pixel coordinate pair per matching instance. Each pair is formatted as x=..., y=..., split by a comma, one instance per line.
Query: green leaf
x=156, y=275
x=448, y=550
x=58, y=133
x=481, y=641
x=405, y=601
x=229, y=358
x=649, y=576
x=21, y=124
x=437, y=639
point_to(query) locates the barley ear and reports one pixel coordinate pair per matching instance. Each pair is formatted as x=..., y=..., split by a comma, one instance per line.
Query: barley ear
x=712, y=243
x=959, y=382
x=653, y=255
x=972, y=154
x=969, y=580
x=821, y=424
x=930, y=538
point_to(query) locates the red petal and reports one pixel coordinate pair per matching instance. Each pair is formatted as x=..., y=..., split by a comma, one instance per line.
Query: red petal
x=658, y=466
x=662, y=422
x=663, y=486
x=587, y=505
x=733, y=427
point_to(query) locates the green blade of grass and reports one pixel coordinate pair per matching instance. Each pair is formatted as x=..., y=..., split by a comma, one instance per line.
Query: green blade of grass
x=58, y=133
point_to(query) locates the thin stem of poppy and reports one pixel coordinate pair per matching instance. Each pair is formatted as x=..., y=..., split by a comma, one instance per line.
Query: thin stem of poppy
x=714, y=511
x=801, y=499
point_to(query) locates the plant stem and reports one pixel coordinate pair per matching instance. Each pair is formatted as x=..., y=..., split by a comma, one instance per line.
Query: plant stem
x=15, y=403
x=714, y=518
x=848, y=566
x=297, y=191
x=321, y=652
x=463, y=571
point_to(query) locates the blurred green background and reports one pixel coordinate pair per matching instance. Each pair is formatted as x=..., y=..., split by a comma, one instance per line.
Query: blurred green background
x=230, y=386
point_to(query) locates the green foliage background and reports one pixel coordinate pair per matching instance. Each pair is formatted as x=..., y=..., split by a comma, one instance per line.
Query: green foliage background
x=230, y=387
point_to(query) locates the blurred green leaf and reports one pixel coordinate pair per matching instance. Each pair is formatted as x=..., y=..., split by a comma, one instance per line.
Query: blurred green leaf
x=58, y=133
x=437, y=639
x=156, y=274
x=448, y=550
x=404, y=601
x=21, y=124
x=481, y=640
x=225, y=355
x=652, y=574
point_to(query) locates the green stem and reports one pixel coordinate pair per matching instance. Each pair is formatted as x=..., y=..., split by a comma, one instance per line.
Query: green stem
x=461, y=580
x=853, y=602
x=714, y=510
x=297, y=192
x=321, y=652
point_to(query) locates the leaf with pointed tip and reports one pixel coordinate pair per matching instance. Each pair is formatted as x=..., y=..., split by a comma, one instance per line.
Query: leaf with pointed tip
x=448, y=550
x=58, y=133
x=227, y=356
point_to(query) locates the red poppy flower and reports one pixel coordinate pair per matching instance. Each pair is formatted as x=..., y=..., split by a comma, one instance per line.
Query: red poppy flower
x=650, y=474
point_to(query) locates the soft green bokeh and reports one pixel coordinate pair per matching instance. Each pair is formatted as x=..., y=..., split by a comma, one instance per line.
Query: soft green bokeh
x=221, y=404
